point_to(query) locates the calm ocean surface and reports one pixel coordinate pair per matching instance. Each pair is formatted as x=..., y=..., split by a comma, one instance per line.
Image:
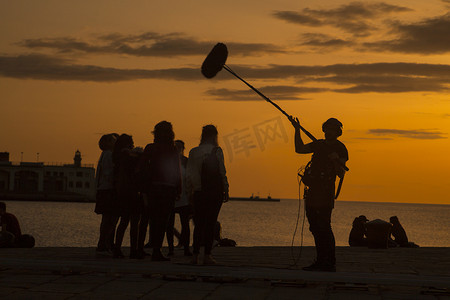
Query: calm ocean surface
x=249, y=223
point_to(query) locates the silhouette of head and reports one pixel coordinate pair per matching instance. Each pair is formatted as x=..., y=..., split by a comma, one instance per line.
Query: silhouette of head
x=209, y=135
x=332, y=128
x=394, y=220
x=2, y=208
x=359, y=224
x=124, y=141
x=179, y=144
x=107, y=142
x=163, y=133
x=363, y=218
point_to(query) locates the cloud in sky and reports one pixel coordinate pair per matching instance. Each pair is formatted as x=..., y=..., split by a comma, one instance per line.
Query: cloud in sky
x=354, y=18
x=305, y=72
x=345, y=78
x=426, y=36
x=42, y=67
x=279, y=92
x=361, y=78
x=423, y=134
x=429, y=36
x=388, y=84
x=146, y=44
x=324, y=42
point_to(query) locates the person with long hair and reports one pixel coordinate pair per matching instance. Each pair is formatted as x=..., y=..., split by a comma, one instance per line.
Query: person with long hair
x=182, y=207
x=207, y=201
x=162, y=184
x=129, y=204
x=105, y=204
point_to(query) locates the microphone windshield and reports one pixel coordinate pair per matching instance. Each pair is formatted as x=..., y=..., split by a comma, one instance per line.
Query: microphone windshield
x=215, y=60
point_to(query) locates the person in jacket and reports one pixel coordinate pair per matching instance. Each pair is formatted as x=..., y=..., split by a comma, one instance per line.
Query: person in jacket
x=129, y=203
x=182, y=207
x=162, y=183
x=207, y=200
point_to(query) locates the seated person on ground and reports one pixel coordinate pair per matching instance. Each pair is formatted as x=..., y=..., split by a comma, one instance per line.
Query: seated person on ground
x=378, y=232
x=357, y=237
x=11, y=235
x=219, y=240
x=399, y=234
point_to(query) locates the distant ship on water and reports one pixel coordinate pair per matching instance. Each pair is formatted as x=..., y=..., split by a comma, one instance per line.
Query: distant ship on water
x=255, y=198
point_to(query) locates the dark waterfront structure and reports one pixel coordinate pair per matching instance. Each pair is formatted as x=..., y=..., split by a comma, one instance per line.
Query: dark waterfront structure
x=46, y=181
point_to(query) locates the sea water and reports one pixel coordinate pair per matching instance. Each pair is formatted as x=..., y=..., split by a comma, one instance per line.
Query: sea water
x=57, y=224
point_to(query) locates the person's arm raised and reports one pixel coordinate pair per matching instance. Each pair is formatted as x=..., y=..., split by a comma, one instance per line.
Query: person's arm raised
x=300, y=146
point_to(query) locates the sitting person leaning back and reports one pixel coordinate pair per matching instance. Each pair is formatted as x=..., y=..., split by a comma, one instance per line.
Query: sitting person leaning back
x=11, y=234
x=399, y=234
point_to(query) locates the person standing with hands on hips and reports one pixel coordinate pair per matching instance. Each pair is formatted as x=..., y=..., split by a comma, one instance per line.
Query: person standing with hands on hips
x=327, y=162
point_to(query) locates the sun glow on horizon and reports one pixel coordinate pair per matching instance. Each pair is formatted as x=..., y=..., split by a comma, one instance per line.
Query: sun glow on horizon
x=82, y=69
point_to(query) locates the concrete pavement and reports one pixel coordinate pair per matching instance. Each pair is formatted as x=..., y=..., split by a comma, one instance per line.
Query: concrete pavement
x=242, y=273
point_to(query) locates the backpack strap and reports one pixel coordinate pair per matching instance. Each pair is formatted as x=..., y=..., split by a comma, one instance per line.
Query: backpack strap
x=341, y=180
x=99, y=170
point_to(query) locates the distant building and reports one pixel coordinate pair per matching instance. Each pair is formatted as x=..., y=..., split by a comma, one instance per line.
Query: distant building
x=40, y=181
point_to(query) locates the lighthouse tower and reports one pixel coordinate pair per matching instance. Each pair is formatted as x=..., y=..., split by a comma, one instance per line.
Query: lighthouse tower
x=77, y=159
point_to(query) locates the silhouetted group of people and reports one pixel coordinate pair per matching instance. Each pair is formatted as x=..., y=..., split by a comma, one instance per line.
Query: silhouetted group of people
x=378, y=233
x=147, y=187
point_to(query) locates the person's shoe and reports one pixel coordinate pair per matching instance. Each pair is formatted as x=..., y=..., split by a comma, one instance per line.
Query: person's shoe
x=320, y=267
x=148, y=245
x=195, y=259
x=311, y=267
x=187, y=252
x=209, y=260
x=158, y=256
x=171, y=253
x=117, y=253
x=328, y=268
x=103, y=253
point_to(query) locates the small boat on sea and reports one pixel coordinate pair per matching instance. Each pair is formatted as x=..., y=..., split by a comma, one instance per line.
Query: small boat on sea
x=255, y=198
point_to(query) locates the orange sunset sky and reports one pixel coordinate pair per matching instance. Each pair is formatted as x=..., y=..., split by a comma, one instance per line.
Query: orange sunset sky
x=71, y=71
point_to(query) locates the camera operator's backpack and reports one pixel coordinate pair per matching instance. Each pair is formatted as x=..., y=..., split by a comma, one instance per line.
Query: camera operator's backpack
x=211, y=178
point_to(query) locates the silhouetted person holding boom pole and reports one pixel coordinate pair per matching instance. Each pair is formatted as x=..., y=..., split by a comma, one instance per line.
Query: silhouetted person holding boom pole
x=327, y=162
